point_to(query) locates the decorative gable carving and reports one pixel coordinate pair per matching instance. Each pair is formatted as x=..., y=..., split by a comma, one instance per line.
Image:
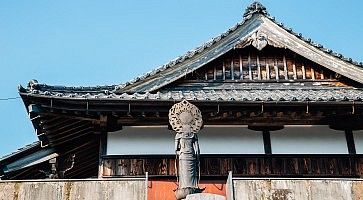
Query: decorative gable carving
x=259, y=40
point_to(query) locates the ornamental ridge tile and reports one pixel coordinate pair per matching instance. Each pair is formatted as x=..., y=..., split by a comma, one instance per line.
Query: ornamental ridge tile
x=224, y=94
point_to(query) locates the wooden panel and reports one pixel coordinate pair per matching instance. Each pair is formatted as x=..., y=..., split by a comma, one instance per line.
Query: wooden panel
x=359, y=167
x=268, y=165
x=248, y=64
x=122, y=167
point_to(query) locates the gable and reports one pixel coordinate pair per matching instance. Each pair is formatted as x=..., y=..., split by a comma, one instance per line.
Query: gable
x=257, y=29
x=191, y=61
x=248, y=67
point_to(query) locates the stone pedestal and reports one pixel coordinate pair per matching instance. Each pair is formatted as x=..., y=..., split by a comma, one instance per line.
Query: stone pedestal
x=205, y=196
x=182, y=193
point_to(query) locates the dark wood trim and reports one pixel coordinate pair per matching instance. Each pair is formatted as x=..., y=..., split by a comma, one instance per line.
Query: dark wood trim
x=170, y=156
x=102, y=152
x=350, y=142
x=260, y=81
x=267, y=142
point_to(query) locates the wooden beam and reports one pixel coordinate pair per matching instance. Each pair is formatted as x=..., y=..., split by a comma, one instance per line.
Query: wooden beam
x=258, y=68
x=249, y=66
x=267, y=71
x=232, y=70
x=276, y=72
x=303, y=71
x=265, y=127
x=285, y=68
x=224, y=71
x=267, y=142
x=214, y=73
x=312, y=73
x=102, y=152
x=294, y=71
x=350, y=142
x=240, y=68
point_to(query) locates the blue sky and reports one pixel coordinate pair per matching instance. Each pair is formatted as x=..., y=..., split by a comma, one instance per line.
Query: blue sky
x=109, y=42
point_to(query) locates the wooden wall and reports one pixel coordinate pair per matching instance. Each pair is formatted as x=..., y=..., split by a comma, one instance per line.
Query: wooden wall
x=249, y=64
x=242, y=166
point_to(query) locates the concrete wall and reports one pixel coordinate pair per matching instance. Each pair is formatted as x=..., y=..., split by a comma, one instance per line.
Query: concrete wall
x=244, y=189
x=298, y=189
x=72, y=190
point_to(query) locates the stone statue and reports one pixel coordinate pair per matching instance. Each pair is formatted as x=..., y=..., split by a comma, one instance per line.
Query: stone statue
x=186, y=121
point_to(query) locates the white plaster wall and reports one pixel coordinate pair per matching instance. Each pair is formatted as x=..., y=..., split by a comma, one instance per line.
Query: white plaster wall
x=230, y=140
x=358, y=141
x=160, y=140
x=140, y=141
x=308, y=140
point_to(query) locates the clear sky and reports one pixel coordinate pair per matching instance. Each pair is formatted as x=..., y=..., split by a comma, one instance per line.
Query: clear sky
x=88, y=43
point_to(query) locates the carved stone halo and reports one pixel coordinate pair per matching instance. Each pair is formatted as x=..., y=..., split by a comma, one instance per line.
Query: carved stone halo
x=185, y=114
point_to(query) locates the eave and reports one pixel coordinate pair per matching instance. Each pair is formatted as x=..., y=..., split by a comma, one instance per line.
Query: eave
x=139, y=112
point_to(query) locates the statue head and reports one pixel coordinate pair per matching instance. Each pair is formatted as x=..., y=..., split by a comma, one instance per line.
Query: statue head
x=185, y=116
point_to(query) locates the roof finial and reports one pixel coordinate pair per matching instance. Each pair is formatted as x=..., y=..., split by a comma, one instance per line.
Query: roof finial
x=255, y=7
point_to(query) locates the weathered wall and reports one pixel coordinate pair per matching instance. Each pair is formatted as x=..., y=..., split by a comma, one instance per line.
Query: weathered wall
x=298, y=190
x=136, y=190
x=71, y=190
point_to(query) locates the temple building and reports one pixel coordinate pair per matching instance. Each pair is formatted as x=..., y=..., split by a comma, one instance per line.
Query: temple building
x=274, y=105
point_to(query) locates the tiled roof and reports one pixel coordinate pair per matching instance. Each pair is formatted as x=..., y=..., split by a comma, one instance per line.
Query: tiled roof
x=294, y=95
x=254, y=8
x=108, y=91
x=21, y=150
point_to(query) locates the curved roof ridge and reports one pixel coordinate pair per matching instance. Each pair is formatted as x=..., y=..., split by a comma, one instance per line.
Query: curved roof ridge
x=315, y=44
x=189, y=54
x=33, y=86
x=252, y=9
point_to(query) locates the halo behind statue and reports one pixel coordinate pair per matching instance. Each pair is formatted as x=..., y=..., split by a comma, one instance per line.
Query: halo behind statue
x=185, y=114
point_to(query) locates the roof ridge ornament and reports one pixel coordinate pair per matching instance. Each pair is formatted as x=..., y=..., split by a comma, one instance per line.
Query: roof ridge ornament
x=255, y=7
